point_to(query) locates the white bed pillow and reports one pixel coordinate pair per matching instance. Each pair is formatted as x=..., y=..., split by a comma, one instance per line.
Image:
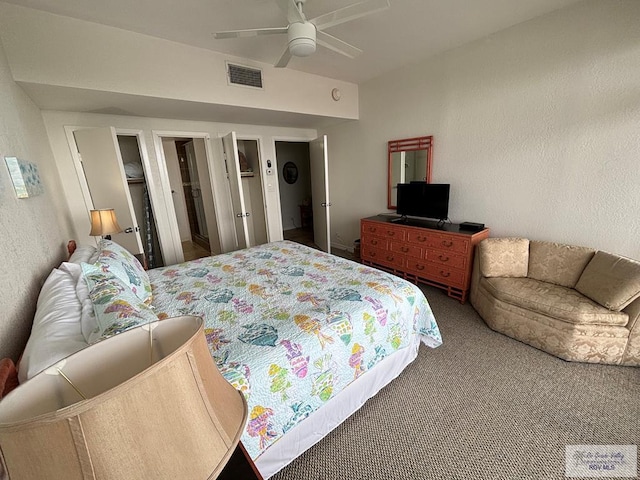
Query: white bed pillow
x=88, y=317
x=84, y=253
x=56, y=331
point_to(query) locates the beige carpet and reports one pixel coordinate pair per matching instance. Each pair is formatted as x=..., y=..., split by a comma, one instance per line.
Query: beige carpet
x=481, y=406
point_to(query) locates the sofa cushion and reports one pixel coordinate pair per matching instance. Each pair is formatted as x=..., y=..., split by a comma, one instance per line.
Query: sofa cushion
x=557, y=263
x=611, y=280
x=504, y=257
x=556, y=301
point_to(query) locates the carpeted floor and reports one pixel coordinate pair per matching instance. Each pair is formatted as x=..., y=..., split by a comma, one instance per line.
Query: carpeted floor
x=481, y=406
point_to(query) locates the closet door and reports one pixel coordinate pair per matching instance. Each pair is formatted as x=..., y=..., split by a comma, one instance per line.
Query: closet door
x=107, y=181
x=319, y=163
x=230, y=145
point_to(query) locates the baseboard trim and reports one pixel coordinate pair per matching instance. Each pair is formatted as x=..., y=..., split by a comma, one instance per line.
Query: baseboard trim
x=342, y=247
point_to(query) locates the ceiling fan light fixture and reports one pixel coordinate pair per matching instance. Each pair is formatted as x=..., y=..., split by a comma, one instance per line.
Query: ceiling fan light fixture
x=302, y=39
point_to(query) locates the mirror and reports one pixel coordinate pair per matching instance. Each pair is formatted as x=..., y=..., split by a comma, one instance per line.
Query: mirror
x=409, y=160
x=290, y=172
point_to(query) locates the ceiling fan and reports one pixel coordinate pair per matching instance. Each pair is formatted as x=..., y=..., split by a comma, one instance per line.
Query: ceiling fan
x=304, y=34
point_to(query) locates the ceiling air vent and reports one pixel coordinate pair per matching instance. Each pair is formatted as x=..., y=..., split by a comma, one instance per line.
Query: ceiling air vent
x=245, y=76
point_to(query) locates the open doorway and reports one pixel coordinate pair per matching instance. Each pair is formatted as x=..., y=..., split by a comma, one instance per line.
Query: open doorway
x=294, y=182
x=192, y=196
x=140, y=199
x=119, y=156
x=252, y=190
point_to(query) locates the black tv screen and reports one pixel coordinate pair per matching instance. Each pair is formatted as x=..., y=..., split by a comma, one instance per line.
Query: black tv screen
x=420, y=199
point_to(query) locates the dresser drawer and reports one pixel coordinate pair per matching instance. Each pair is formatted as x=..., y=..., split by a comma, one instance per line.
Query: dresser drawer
x=374, y=241
x=449, y=243
x=419, y=237
x=383, y=230
x=383, y=257
x=448, y=259
x=437, y=273
x=441, y=256
x=407, y=249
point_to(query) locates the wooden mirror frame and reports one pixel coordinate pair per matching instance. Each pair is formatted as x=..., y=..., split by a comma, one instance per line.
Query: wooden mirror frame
x=408, y=145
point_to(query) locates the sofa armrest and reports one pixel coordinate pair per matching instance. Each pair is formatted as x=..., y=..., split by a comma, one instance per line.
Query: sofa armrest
x=504, y=257
x=632, y=352
x=475, y=280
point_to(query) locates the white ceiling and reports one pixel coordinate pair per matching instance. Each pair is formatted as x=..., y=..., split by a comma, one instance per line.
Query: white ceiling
x=407, y=32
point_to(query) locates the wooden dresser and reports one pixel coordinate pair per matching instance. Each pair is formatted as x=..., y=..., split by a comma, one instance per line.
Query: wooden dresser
x=421, y=251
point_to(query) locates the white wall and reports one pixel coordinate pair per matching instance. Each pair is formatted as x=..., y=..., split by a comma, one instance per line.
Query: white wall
x=56, y=121
x=33, y=231
x=537, y=128
x=47, y=49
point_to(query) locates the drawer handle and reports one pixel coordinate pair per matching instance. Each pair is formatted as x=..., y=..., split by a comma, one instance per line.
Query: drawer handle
x=372, y=229
x=443, y=259
x=391, y=233
x=419, y=267
x=404, y=249
x=372, y=254
x=374, y=242
x=421, y=238
x=390, y=258
x=445, y=274
x=447, y=243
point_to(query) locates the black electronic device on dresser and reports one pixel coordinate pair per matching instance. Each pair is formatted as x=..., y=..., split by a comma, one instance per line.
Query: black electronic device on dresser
x=426, y=200
x=472, y=226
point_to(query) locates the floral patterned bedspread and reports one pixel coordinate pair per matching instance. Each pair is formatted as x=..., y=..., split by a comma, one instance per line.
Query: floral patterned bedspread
x=290, y=326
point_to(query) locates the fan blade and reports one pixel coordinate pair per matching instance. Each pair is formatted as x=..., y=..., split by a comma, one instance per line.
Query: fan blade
x=337, y=45
x=249, y=33
x=294, y=14
x=349, y=13
x=284, y=59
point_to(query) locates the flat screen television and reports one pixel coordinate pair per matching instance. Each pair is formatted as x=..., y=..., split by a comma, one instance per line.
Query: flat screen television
x=421, y=199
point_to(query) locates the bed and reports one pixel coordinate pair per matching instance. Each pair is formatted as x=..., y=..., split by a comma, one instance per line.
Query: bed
x=307, y=336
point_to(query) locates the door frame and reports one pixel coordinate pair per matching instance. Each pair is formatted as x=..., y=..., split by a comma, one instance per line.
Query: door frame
x=77, y=164
x=284, y=138
x=259, y=139
x=156, y=195
x=173, y=229
x=322, y=143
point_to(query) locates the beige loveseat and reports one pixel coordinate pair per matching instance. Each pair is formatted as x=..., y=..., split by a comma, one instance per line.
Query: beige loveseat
x=573, y=302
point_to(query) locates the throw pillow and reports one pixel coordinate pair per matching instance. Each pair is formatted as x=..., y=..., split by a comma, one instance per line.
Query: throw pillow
x=557, y=263
x=611, y=280
x=116, y=307
x=123, y=264
x=504, y=257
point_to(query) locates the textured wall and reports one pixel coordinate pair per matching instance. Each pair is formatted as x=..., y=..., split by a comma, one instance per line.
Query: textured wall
x=55, y=50
x=33, y=231
x=536, y=128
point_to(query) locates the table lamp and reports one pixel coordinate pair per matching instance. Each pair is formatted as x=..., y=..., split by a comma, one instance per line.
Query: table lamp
x=104, y=223
x=146, y=403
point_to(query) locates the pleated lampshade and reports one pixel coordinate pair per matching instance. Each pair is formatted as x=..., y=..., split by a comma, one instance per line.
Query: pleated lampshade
x=156, y=407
